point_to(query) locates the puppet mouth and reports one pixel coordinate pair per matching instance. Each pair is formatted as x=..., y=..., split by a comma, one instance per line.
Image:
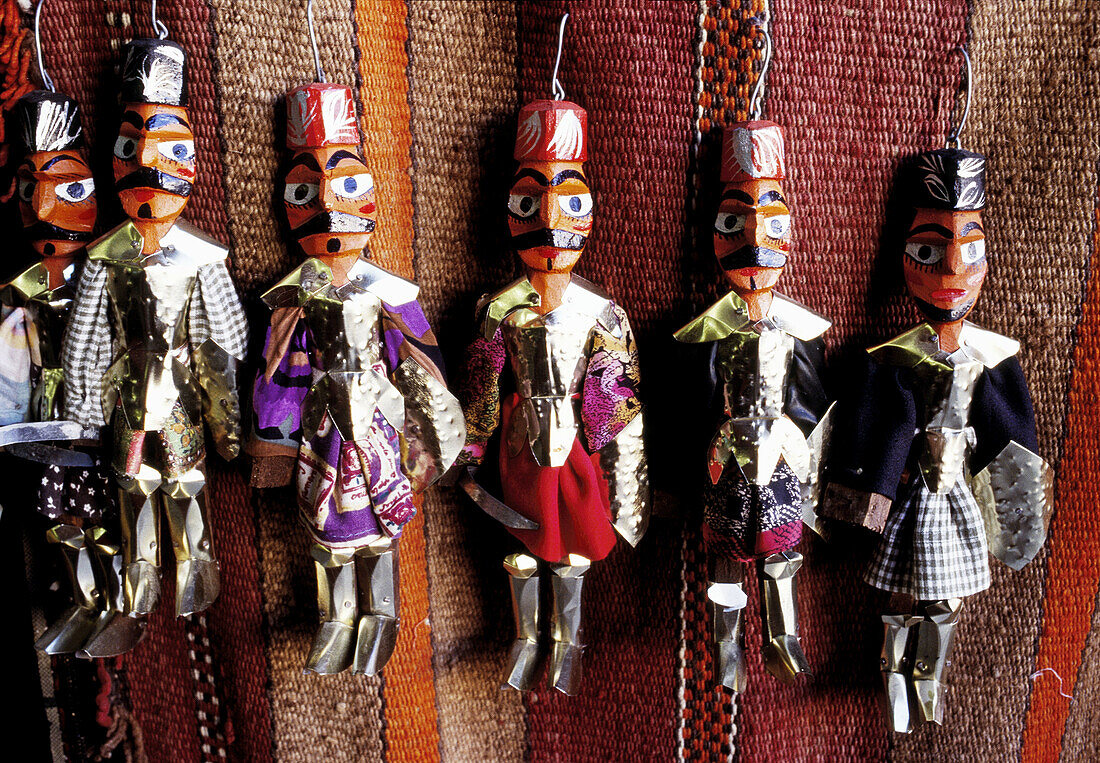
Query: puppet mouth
x=145, y=212
x=949, y=295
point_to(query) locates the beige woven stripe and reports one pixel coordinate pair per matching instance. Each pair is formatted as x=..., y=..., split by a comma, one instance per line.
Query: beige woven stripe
x=1035, y=116
x=263, y=51
x=463, y=95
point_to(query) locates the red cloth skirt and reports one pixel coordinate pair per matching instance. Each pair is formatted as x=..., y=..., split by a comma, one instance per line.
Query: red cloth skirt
x=569, y=502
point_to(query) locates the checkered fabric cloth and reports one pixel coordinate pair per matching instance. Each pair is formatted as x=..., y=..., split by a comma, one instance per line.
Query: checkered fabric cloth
x=933, y=546
x=216, y=313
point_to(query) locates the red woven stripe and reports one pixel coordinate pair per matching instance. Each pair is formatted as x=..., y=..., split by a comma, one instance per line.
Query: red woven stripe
x=630, y=67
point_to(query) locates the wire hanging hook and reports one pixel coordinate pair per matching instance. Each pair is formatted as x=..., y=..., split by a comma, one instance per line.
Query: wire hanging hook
x=47, y=81
x=158, y=25
x=953, y=137
x=555, y=84
x=756, y=100
x=313, y=42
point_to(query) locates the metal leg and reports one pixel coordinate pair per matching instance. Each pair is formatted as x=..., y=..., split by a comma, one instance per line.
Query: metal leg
x=526, y=658
x=72, y=629
x=566, y=630
x=896, y=660
x=727, y=602
x=140, y=545
x=115, y=632
x=197, y=581
x=377, y=576
x=783, y=656
x=336, y=601
x=935, y=634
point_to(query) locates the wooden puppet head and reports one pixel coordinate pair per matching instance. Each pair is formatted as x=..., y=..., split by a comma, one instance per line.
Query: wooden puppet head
x=154, y=155
x=944, y=260
x=752, y=230
x=328, y=192
x=55, y=186
x=550, y=203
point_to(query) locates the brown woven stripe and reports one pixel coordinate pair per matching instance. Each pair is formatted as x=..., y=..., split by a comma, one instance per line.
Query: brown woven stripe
x=263, y=50
x=462, y=92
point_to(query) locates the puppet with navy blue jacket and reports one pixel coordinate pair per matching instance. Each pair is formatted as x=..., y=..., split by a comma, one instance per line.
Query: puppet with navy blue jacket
x=935, y=446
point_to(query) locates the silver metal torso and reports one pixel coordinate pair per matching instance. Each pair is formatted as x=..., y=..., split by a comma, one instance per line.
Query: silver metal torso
x=548, y=354
x=946, y=394
x=753, y=366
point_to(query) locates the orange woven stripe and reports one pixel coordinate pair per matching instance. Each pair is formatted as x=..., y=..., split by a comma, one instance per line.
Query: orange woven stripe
x=412, y=732
x=1074, y=570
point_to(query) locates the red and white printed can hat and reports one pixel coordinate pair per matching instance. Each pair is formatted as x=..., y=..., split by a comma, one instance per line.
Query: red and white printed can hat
x=552, y=131
x=321, y=114
x=753, y=150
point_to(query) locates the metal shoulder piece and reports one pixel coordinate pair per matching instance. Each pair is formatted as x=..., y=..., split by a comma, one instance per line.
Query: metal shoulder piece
x=796, y=319
x=727, y=315
x=1016, y=495
x=587, y=298
x=987, y=347
x=435, y=429
x=30, y=283
x=493, y=309
x=915, y=346
x=199, y=247
x=122, y=244
x=388, y=287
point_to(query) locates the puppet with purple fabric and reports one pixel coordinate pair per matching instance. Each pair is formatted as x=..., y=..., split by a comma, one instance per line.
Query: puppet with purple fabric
x=351, y=402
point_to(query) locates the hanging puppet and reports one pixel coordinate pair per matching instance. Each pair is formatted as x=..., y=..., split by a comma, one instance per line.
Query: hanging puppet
x=938, y=447
x=351, y=403
x=155, y=338
x=57, y=204
x=570, y=451
x=766, y=356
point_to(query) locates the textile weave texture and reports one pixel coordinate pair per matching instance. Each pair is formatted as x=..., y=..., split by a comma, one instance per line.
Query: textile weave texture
x=857, y=85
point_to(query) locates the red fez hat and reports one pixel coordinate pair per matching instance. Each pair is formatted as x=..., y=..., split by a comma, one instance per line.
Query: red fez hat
x=319, y=115
x=753, y=150
x=552, y=131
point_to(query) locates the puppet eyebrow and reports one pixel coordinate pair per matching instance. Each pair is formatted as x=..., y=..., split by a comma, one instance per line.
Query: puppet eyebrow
x=564, y=175
x=770, y=196
x=132, y=118
x=534, y=174
x=932, y=228
x=337, y=157
x=737, y=195
x=164, y=120
x=56, y=159
x=971, y=227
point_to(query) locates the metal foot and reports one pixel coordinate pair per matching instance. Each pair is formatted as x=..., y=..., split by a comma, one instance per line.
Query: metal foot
x=935, y=634
x=895, y=664
x=526, y=658
x=566, y=628
x=782, y=651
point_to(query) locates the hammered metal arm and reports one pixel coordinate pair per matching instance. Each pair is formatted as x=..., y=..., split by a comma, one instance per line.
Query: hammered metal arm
x=216, y=370
x=1016, y=495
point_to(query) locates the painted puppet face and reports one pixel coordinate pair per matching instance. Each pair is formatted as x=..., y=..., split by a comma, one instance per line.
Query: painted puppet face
x=550, y=214
x=945, y=262
x=752, y=234
x=154, y=162
x=329, y=197
x=56, y=201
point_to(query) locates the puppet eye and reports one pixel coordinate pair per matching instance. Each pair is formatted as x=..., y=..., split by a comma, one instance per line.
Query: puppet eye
x=125, y=148
x=352, y=186
x=777, y=226
x=300, y=194
x=76, y=191
x=26, y=189
x=177, y=150
x=973, y=252
x=577, y=205
x=727, y=222
x=925, y=254
x=523, y=206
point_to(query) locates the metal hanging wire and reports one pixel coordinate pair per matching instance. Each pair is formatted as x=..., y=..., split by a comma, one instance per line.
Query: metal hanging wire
x=47, y=81
x=953, y=137
x=555, y=84
x=313, y=42
x=158, y=25
x=756, y=100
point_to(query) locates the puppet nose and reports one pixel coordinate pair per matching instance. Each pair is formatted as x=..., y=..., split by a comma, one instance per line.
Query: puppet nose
x=549, y=212
x=952, y=259
x=147, y=152
x=45, y=199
